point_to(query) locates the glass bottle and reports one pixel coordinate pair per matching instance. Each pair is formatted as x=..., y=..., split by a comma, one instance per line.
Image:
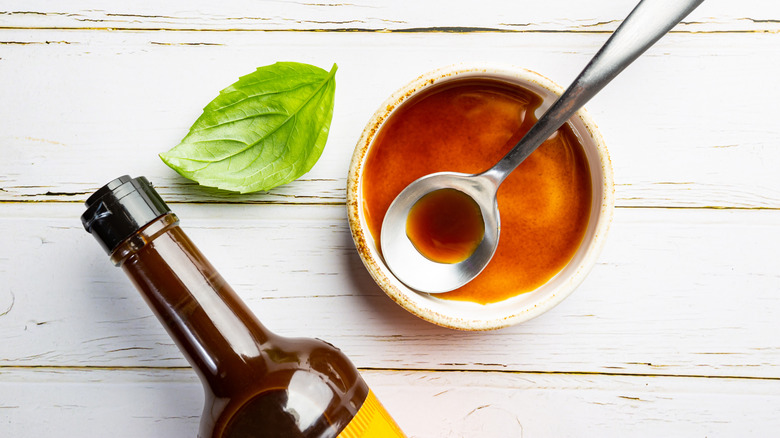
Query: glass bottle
x=257, y=384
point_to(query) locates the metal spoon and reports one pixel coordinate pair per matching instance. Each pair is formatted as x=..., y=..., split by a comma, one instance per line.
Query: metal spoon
x=648, y=22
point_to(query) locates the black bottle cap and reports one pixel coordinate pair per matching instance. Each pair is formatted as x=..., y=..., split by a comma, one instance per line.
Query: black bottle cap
x=120, y=208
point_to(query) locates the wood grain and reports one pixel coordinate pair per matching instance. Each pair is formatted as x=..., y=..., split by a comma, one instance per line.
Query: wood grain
x=373, y=16
x=678, y=133
x=159, y=402
x=676, y=292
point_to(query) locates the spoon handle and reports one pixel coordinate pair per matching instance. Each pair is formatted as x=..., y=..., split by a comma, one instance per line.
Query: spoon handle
x=645, y=25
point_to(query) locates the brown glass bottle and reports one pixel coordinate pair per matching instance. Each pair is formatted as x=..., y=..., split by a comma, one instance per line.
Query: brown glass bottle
x=257, y=384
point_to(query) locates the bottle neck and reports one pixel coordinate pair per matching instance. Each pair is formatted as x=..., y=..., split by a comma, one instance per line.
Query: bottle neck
x=215, y=330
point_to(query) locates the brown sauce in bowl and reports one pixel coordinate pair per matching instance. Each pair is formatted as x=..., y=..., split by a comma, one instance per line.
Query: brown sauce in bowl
x=467, y=126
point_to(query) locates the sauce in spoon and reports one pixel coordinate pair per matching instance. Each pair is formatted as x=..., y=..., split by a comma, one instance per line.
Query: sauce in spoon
x=445, y=226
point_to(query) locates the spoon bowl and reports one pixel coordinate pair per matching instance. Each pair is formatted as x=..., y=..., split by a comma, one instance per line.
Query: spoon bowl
x=409, y=263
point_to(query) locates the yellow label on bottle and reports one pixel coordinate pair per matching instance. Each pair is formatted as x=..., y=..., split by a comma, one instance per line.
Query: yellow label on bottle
x=372, y=420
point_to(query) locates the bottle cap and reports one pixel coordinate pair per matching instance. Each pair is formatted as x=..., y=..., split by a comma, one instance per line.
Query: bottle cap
x=120, y=208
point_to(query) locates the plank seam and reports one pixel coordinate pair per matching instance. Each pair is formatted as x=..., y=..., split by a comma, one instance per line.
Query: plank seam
x=343, y=204
x=400, y=370
x=433, y=29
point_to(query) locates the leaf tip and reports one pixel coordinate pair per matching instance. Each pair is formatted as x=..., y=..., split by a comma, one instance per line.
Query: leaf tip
x=171, y=161
x=164, y=157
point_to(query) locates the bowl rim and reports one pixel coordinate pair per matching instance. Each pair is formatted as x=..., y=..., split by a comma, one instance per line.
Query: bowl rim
x=363, y=240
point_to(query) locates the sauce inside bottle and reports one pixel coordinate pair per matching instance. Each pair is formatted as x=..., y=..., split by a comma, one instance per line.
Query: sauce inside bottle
x=445, y=226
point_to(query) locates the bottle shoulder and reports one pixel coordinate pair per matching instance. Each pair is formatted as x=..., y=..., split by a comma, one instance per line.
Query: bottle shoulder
x=310, y=389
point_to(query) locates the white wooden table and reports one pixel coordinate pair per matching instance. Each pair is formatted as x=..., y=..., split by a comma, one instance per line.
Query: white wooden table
x=674, y=333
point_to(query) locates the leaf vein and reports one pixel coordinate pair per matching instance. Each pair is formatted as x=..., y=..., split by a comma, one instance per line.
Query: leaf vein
x=240, y=119
x=247, y=97
x=291, y=116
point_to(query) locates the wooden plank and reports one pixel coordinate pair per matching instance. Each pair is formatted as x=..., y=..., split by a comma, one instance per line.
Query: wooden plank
x=678, y=137
x=368, y=15
x=132, y=403
x=676, y=292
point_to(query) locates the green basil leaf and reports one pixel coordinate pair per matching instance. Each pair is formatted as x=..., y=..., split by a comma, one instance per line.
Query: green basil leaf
x=265, y=130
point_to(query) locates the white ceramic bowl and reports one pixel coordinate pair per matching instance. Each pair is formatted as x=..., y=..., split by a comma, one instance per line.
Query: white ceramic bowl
x=472, y=316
